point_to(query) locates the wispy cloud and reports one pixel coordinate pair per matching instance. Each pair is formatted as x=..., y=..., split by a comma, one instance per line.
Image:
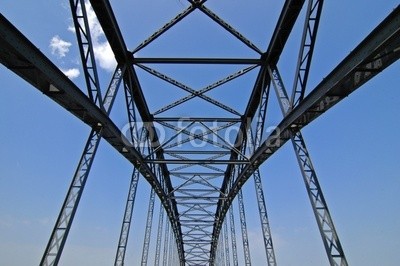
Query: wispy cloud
x=71, y=73
x=59, y=47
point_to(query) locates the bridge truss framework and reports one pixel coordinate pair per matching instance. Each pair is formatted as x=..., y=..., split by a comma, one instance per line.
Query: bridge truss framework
x=197, y=186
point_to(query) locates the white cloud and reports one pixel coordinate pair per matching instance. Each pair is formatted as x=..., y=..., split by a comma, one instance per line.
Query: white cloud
x=105, y=56
x=59, y=47
x=71, y=73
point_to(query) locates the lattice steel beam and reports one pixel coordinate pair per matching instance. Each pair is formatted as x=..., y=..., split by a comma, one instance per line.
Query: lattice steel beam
x=149, y=225
x=307, y=45
x=82, y=30
x=164, y=28
x=243, y=227
x=59, y=235
x=126, y=223
x=109, y=24
x=23, y=58
x=188, y=89
x=233, y=237
x=283, y=28
x=206, y=89
x=254, y=143
x=229, y=28
x=226, y=243
x=196, y=61
x=378, y=50
x=166, y=243
x=285, y=24
x=326, y=227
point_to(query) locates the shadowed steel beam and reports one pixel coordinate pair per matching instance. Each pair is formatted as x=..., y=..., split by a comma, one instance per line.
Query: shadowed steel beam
x=195, y=152
x=188, y=89
x=59, y=235
x=229, y=28
x=376, y=52
x=126, y=223
x=326, y=227
x=201, y=136
x=285, y=24
x=159, y=232
x=233, y=236
x=166, y=243
x=149, y=225
x=283, y=28
x=252, y=144
x=197, y=119
x=196, y=61
x=82, y=31
x=243, y=227
x=166, y=27
x=226, y=243
x=109, y=24
x=313, y=16
x=206, y=89
x=196, y=161
x=19, y=55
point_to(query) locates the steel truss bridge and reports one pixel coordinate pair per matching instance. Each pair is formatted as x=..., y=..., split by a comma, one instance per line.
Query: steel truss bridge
x=197, y=185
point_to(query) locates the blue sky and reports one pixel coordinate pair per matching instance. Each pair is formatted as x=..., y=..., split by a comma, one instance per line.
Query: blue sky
x=354, y=146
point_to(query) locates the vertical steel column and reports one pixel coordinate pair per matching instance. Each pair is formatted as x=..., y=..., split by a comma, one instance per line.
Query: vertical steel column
x=220, y=249
x=253, y=145
x=174, y=255
x=82, y=30
x=64, y=221
x=63, y=224
x=159, y=235
x=262, y=209
x=171, y=245
x=310, y=30
x=149, y=223
x=134, y=136
x=324, y=220
x=233, y=236
x=243, y=226
x=226, y=238
x=218, y=254
x=221, y=243
x=126, y=223
x=165, y=253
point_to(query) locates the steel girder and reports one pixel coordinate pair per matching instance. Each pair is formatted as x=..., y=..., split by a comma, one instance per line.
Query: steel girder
x=82, y=30
x=64, y=221
x=307, y=45
x=23, y=58
x=373, y=55
x=59, y=235
x=326, y=227
x=19, y=55
x=113, y=34
x=283, y=28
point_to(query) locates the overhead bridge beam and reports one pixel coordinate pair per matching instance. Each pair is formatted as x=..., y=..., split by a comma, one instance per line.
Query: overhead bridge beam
x=287, y=18
x=109, y=24
x=197, y=161
x=208, y=61
x=19, y=55
x=376, y=52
